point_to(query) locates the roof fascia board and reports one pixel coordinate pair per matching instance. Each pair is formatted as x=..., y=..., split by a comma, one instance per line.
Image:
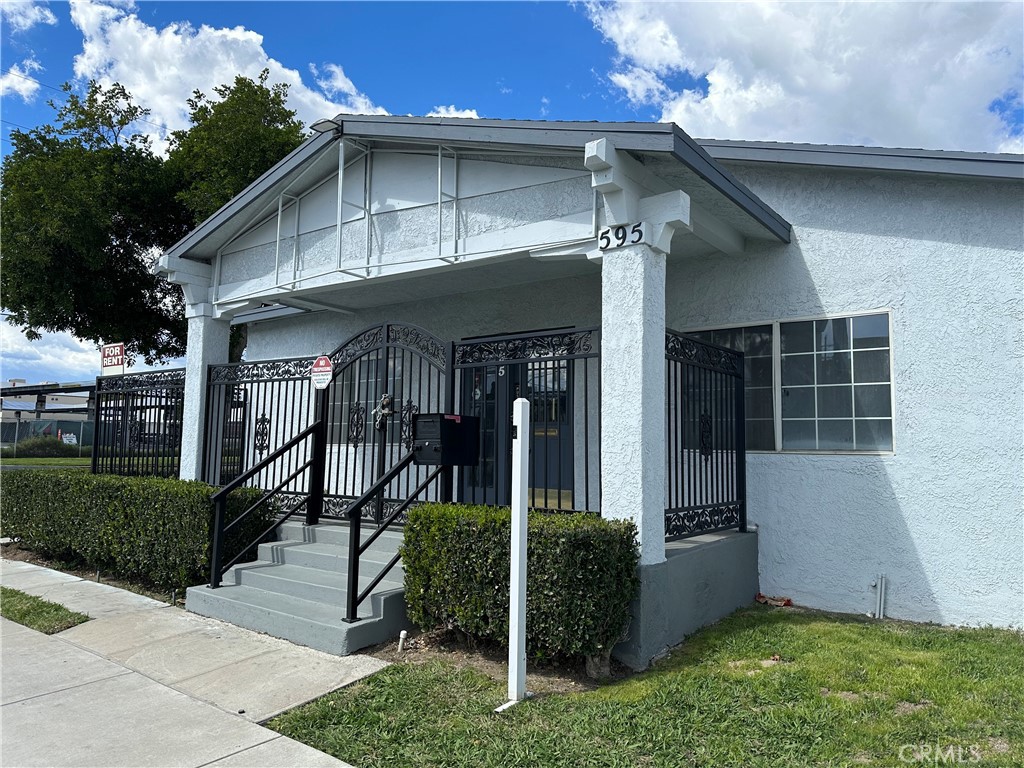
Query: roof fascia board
x=690, y=153
x=982, y=165
x=305, y=151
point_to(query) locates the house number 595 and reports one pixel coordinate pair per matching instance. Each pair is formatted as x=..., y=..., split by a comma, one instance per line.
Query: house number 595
x=618, y=236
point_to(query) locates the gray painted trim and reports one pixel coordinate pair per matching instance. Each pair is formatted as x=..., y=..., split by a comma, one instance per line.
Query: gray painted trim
x=690, y=153
x=977, y=164
x=297, y=157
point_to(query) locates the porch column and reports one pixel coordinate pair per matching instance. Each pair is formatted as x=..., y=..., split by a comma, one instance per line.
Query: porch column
x=208, y=343
x=633, y=393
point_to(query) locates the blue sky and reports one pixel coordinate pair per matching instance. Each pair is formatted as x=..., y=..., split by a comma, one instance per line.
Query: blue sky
x=933, y=75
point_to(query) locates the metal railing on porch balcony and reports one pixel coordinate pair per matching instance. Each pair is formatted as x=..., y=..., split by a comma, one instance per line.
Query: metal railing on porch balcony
x=705, y=438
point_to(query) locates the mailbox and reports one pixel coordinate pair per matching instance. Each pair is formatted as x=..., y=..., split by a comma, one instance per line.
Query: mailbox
x=447, y=439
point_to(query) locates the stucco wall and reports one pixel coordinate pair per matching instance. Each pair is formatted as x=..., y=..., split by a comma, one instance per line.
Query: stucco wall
x=942, y=516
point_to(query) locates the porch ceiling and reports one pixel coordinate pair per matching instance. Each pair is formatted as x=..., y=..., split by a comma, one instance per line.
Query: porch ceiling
x=427, y=284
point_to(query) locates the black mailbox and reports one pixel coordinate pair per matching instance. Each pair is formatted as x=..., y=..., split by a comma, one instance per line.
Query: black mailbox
x=444, y=438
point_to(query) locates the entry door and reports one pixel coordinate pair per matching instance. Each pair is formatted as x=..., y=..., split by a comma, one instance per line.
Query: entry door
x=488, y=393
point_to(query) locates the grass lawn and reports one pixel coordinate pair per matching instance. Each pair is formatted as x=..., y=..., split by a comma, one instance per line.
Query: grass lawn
x=84, y=461
x=764, y=687
x=36, y=613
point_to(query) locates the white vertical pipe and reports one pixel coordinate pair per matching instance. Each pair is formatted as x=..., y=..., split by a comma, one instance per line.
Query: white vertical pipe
x=517, y=582
x=341, y=195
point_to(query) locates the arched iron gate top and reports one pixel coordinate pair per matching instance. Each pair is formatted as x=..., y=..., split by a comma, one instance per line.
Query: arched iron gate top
x=404, y=335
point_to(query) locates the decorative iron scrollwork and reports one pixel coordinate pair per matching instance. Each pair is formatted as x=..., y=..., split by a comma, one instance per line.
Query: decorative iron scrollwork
x=689, y=522
x=689, y=350
x=526, y=348
x=705, y=436
x=146, y=380
x=261, y=437
x=356, y=424
x=408, y=411
x=419, y=341
x=261, y=371
x=357, y=346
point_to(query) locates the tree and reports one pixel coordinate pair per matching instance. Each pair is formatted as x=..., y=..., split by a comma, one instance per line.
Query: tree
x=85, y=208
x=231, y=142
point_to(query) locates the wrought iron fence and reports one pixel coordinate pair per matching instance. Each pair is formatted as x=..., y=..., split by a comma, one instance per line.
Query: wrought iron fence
x=706, y=451
x=559, y=372
x=254, y=408
x=139, y=423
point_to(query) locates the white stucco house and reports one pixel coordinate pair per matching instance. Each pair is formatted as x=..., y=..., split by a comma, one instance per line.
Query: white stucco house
x=877, y=296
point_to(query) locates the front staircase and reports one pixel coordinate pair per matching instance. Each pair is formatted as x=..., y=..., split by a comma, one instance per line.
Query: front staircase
x=296, y=590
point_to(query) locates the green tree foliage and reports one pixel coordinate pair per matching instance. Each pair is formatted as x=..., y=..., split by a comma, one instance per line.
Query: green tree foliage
x=85, y=208
x=232, y=142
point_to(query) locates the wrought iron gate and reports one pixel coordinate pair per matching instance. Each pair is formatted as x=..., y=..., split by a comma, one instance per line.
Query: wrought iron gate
x=138, y=423
x=559, y=371
x=254, y=408
x=706, y=439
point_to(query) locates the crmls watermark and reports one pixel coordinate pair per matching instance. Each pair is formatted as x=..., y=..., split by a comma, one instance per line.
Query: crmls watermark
x=938, y=754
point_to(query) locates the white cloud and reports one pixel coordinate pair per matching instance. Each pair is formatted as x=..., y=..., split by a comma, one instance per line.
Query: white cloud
x=22, y=16
x=892, y=74
x=161, y=67
x=17, y=80
x=451, y=111
x=55, y=357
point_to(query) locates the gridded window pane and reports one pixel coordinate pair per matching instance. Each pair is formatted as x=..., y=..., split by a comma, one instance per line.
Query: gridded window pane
x=758, y=340
x=797, y=337
x=831, y=335
x=833, y=368
x=870, y=331
x=874, y=434
x=797, y=370
x=729, y=337
x=872, y=400
x=759, y=371
x=758, y=404
x=871, y=366
x=798, y=435
x=834, y=402
x=798, y=403
x=760, y=434
x=834, y=435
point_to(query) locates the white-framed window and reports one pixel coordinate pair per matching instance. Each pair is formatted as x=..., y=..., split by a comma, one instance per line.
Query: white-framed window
x=818, y=384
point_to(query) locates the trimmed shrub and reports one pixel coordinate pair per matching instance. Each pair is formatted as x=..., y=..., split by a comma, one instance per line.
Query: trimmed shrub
x=154, y=530
x=45, y=448
x=581, y=577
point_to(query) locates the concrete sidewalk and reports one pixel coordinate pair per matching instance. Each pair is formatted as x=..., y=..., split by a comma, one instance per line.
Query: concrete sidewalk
x=145, y=684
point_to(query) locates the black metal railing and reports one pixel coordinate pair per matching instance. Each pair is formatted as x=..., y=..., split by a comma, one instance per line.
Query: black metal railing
x=304, y=457
x=139, y=423
x=705, y=438
x=356, y=548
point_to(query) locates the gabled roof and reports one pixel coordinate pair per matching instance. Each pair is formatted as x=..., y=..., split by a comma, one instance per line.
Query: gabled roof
x=949, y=163
x=665, y=139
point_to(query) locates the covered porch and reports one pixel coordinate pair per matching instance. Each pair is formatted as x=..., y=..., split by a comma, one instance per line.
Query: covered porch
x=454, y=265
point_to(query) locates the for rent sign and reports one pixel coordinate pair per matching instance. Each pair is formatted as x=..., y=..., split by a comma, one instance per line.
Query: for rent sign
x=112, y=362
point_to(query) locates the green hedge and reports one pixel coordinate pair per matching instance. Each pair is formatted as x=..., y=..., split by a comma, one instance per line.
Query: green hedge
x=44, y=448
x=581, y=577
x=149, y=529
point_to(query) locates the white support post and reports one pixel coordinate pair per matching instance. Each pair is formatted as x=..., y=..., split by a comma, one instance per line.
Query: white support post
x=517, y=580
x=208, y=343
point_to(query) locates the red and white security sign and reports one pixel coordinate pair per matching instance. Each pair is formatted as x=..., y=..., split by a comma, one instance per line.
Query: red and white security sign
x=322, y=372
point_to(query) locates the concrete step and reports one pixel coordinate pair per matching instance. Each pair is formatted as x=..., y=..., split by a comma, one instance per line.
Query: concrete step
x=308, y=583
x=326, y=557
x=296, y=590
x=305, y=622
x=336, y=533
